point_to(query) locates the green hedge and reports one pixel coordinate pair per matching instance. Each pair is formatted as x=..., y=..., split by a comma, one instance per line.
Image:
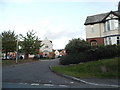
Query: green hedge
x=103, y=52
x=93, y=54
x=72, y=58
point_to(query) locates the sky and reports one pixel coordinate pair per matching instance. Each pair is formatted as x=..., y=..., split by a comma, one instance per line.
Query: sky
x=58, y=20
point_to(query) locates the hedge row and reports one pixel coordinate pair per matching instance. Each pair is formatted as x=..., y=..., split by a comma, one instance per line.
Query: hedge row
x=72, y=59
x=103, y=52
x=93, y=54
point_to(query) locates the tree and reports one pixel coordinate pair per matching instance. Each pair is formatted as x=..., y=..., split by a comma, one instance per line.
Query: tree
x=9, y=40
x=30, y=44
x=76, y=46
x=76, y=52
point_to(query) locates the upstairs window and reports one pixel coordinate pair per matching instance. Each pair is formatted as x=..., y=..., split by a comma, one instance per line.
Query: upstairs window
x=111, y=25
x=92, y=28
x=46, y=46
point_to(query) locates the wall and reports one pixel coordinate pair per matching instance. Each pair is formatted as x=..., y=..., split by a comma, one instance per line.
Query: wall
x=98, y=31
x=46, y=42
x=99, y=40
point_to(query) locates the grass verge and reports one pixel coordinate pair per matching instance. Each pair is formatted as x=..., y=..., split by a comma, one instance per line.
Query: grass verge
x=107, y=68
x=12, y=62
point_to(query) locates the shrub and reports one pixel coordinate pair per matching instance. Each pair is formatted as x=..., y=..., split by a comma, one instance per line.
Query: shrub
x=118, y=50
x=93, y=54
x=76, y=46
x=73, y=58
x=102, y=52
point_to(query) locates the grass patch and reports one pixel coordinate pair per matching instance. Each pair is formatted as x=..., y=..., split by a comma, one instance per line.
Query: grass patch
x=12, y=62
x=91, y=69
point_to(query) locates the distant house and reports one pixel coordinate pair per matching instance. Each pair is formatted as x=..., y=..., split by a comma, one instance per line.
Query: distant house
x=47, y=49
x=60, y=52
x=103, y=29
x=57, y=53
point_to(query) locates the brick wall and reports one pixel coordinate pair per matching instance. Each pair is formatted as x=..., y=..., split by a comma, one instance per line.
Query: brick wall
x=100, y=41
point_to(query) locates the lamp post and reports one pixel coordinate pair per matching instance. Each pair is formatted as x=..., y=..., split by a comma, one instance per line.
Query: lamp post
x=17, y=51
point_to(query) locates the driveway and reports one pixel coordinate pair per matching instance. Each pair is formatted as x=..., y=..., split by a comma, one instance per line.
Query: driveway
x=38, y=74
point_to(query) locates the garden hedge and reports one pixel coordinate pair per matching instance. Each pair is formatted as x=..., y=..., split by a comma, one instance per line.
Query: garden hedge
x=93, y=54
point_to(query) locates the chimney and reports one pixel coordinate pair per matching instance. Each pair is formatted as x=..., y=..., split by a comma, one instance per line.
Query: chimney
x=119, y=7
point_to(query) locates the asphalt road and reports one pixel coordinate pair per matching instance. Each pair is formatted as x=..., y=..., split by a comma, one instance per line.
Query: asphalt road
x=38, y=75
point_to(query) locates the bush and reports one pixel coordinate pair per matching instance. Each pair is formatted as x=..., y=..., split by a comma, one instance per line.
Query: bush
x=118, y=50
x=93, y=54
x=76, y=46
x=73, y=58
x=102, y=52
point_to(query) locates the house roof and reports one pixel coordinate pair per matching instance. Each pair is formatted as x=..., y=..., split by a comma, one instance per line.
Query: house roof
x=99, y=17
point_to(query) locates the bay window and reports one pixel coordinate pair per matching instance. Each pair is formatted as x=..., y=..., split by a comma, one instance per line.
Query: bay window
x=118, y=40
x=111, y=25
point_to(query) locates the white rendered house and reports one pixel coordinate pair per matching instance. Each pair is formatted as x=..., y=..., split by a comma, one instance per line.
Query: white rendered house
x=47, y=48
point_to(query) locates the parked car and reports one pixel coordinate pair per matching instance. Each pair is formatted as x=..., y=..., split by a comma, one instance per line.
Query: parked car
x=7, y=58
x=36, y=57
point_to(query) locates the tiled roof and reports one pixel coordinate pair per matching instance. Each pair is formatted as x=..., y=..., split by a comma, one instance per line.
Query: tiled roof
x=99, y=17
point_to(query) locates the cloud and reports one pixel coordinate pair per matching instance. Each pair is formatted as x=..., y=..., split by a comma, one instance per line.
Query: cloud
x=54, y=32
x=60, y=43
x=60, y=34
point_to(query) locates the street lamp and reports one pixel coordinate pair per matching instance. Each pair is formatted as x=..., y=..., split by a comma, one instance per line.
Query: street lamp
x=17, y=52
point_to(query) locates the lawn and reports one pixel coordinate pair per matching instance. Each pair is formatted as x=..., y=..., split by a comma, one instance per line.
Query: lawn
x=12, y=62
x=107, y=68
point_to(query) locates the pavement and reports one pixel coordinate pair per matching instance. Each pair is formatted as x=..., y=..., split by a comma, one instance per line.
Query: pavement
x=39, y=75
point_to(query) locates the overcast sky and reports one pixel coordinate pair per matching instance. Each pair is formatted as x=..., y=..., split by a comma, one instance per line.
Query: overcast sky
x=59, y=21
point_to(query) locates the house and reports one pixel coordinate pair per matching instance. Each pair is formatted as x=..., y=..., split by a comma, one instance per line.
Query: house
x=57, y=53
x=47, y=49
x=104, y=28
x=60, y=52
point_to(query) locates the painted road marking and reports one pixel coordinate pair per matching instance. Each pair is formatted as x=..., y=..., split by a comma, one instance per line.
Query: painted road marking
x=35, y=84
x=48, y=84
x=63, y=85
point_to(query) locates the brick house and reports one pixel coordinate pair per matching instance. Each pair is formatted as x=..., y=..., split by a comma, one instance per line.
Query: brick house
x=103, y=29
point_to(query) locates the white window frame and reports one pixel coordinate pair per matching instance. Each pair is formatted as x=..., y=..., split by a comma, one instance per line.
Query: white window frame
x=118, y=39
x=111, y=25
x=92, y=28
x=110, y=41
x=106, y=41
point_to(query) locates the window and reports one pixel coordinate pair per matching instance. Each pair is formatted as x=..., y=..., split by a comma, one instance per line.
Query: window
x=111, y=25
x=46, y=46
x=110, y=41
x=108, y=25
x=106, y=42
x=116, y=24
x=118, y=40
x=105, y=27
x=92, y=28
x=93, y=42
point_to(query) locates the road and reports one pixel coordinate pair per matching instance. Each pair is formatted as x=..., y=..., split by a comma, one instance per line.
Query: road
x=38, y=75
